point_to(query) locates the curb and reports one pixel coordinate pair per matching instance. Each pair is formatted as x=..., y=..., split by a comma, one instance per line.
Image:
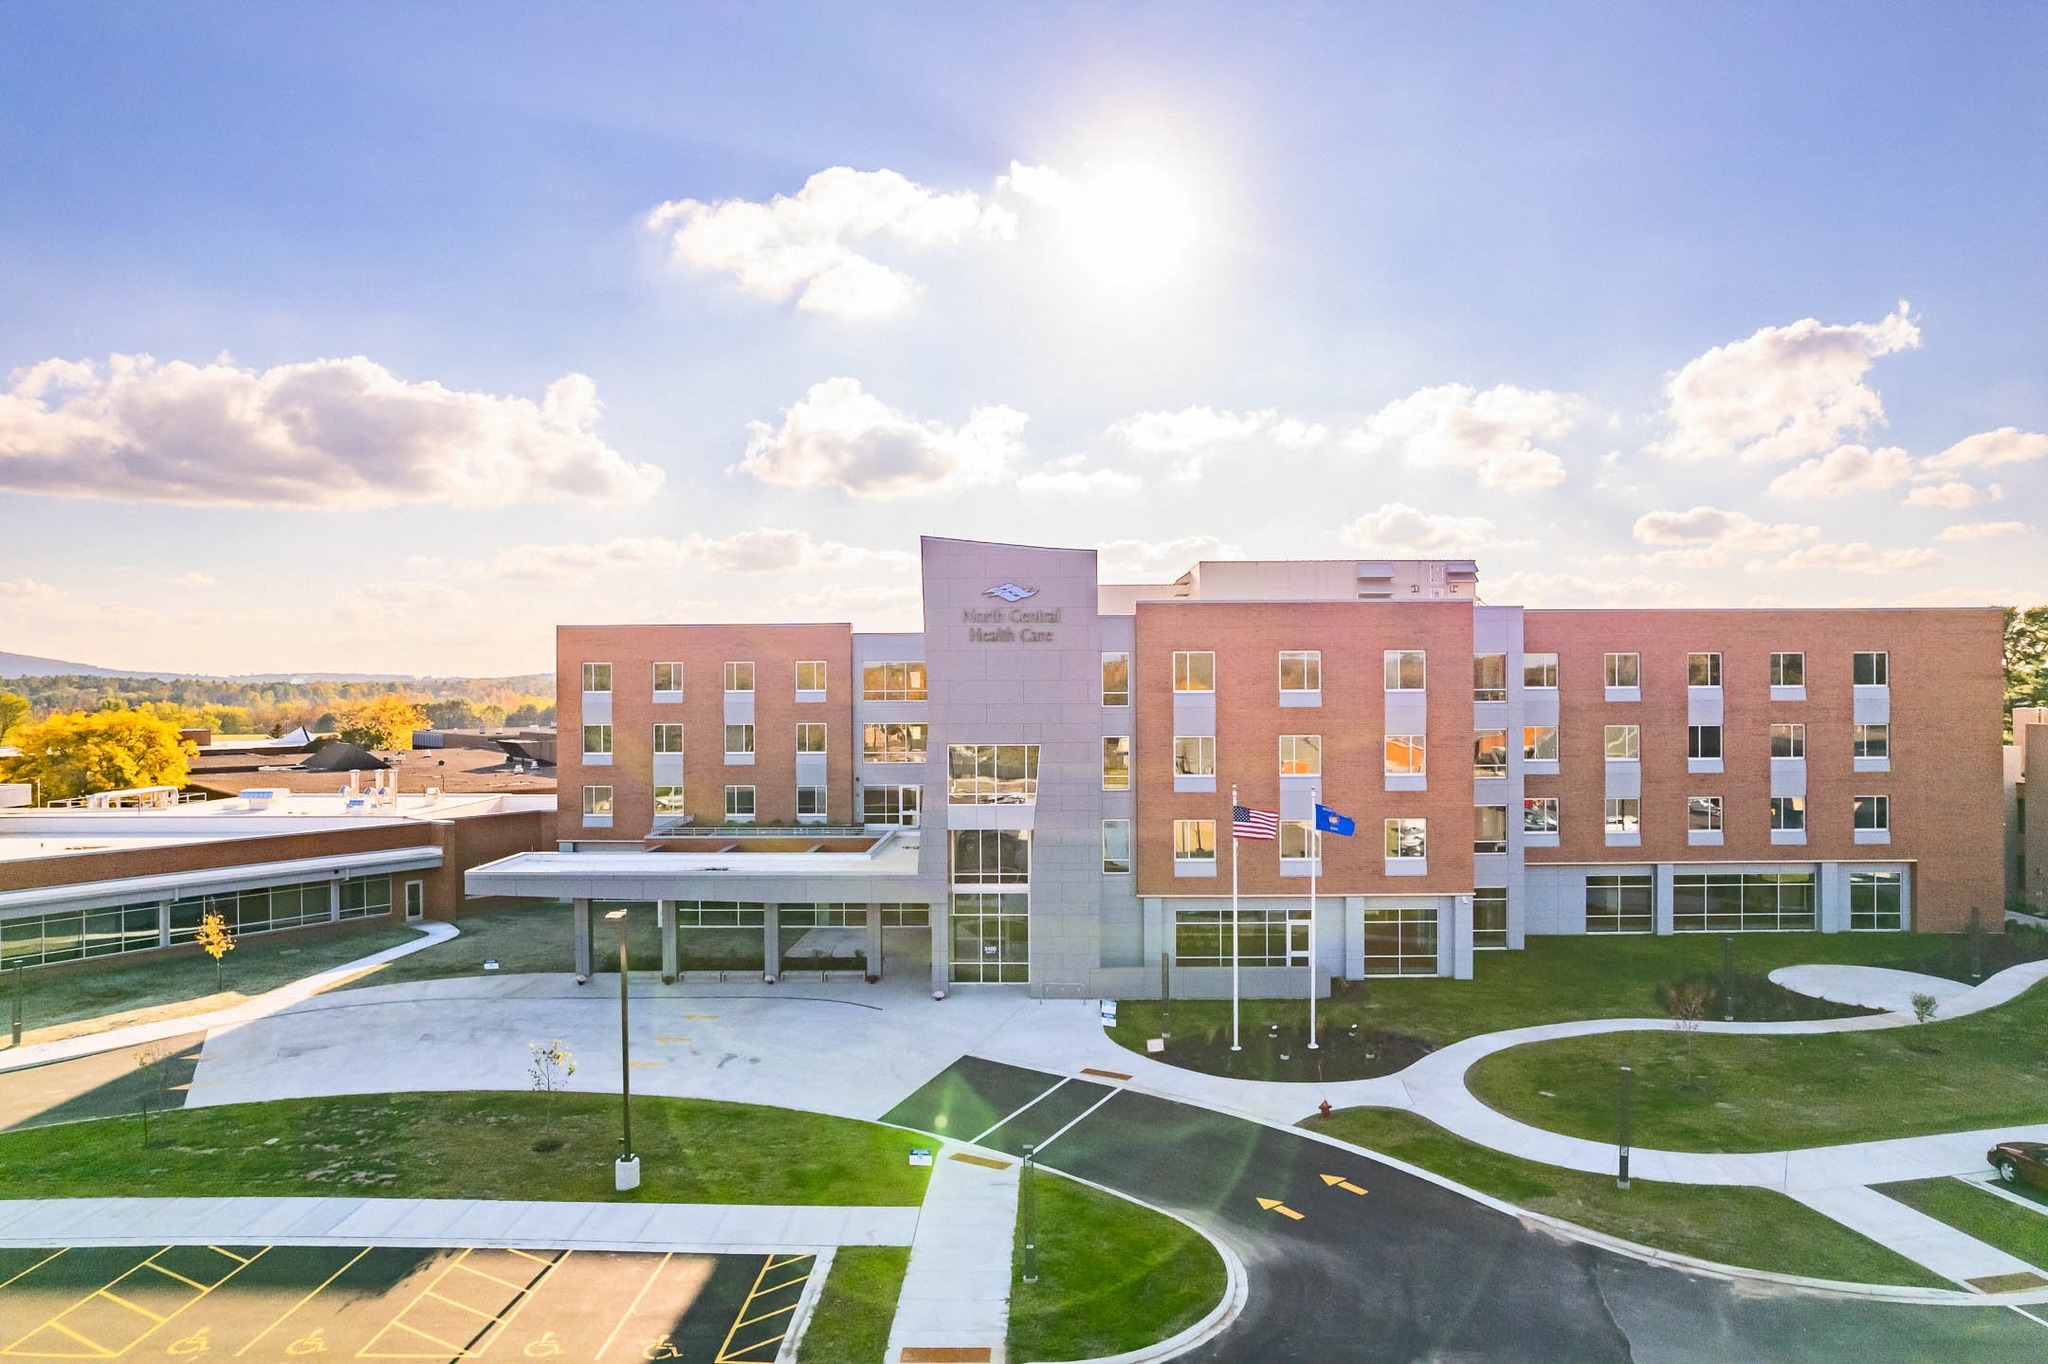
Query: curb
x=1635, y=1250
x=1236, y=1288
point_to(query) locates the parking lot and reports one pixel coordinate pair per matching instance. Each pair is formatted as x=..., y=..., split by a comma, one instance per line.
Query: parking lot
x=282, y=1303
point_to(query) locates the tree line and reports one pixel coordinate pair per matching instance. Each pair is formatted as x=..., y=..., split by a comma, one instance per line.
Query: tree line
x=227, y=707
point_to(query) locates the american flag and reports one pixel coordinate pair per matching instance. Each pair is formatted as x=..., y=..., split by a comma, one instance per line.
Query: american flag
x=1248, y=823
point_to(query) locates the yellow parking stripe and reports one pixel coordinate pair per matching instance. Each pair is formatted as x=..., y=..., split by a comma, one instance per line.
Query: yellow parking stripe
x=34, y=1267
x=300, y=1303
x=111, y=1296
x=628, y=1314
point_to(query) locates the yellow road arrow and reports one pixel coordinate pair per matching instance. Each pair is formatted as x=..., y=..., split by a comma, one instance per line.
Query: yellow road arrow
x=1275, y=1205
x=1338, y=1181
x=698, y=1017
x=671, y=1039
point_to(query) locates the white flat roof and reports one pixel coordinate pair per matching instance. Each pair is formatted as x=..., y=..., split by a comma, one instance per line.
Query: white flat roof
x=628, y=875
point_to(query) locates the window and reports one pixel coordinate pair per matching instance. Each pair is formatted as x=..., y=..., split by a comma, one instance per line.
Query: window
x=1703, y=743
x=1624, y=743
x=1301, y=755
x=992, y=774
x=1873, y=741
x=1703, y=670
x=1621, y=904
x=1754, y=902
x=1194, y=755
x=1407, y=838
x=1703, y=814
x=1405, y=755
x=991, y=938
x=1490, y=753
x=359, y=899
x=668, y=679
x=597, y=677
x=1539, y=743
x=1624, y=670
x=717, y=914
x=739, y=677
x=991, y=856
x=668, y=800
x=668, y=738
x=1404, y=669
x=1788, y=813
x=1400, y=942
x=1788, y=670
x=890, y=805
x=1201, y=937
x=1301, y=670
x=597, y=802
x=1873, y=812
x=1490, y=919
x=1872, y=670
x=1489, y=828
x=1116, y=679
x=1194, y=671
x=892, y=682
x=887, y=743
x=739, y=805
x=810, y=737
x=1624, y=815
x=1490, y=677
x=1194, y=840
x=1539, y=815
x=1300, y=841
x=1788, y=741
x=1540, y=671
x=597, y=740
x=1876, y=901
x=810, y=674
x=810, y=804
x=1116, y=763
x=739, y=739
x=1116, y=847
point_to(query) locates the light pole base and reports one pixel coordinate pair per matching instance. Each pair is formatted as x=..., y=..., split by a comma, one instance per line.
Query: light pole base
x=626, y=1174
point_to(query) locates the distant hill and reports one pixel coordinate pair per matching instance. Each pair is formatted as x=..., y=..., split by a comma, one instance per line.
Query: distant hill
x=29, y=665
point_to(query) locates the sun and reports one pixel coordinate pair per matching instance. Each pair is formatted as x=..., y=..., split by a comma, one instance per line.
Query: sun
x=1133, y=226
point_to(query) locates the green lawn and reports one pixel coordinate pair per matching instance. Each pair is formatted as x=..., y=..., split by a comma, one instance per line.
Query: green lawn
x=520, y=937
x=1771, y=1093
x=1752, y=1228
x=850, y=1324
x=183, y=982
x=1549, y=981
x=471, y=1145
x=1993, y=1220
x=1112, y=1276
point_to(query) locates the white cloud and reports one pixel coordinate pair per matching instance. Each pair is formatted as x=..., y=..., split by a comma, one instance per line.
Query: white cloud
x=839, y=436
x=327, y=433
x=1400, y=529
x=194, y=579
x=1984, y=530
x=1574, y=589
x=1494, y=432
x=1071, y=476
x=19, y=593
x=811, y=244
x=2006, y=445
x=1950, y=496
x=1193, y=432
x=1707, y=536
x=1858, y=557
x=1845, y=469
x=1784, y=393
x=1152, y=560
x=763, y=550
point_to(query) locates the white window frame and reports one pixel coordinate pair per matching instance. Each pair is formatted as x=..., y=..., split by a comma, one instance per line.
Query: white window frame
x=1205, y=744
x=663, y=732
x=1631, y=743
x=1713, y=669
x=1194, y=671
x=1196, y=857
x=1129, y=859
x=1394, y=668
x=1110, y=780
x=602, y=733
x=662, y=693
x=1418, y=750
x=1406, y=839
x=1542, y=668
x=820, y=665
x=1301, y=755
x=1794, y=736
x=1614, y=673
x=804, y=730
x=747, y=734
x=1533, y=745
x=1311, y=661
x=590, y=674
x=733, y=674
x=1111, y=697
x=1880, y=667
x=733, y=815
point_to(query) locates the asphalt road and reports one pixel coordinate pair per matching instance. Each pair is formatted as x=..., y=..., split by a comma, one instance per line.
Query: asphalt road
x=1409, y=1270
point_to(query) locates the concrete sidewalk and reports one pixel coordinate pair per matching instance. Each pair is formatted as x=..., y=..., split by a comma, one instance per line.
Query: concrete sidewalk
x=700, y=1228
x=956, y=1292
x=262, y=1006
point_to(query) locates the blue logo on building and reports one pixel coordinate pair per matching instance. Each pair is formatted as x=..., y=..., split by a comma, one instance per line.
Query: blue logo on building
x=1010, y=592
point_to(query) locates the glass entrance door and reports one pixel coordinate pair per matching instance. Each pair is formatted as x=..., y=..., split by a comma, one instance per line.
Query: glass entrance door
x=1297, y=942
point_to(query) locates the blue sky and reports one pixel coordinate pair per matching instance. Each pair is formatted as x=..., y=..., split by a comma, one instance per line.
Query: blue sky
x=1607, y=296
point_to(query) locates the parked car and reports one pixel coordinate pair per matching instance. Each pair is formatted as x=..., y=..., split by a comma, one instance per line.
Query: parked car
x=2020, y=1162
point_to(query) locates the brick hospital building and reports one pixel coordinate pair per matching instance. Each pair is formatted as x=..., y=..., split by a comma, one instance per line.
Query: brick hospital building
x=1035, y=789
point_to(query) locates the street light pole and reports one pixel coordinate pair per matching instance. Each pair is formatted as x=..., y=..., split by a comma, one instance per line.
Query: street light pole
x=1029, y=1194
x=626, y=1172
x=1628, y=1084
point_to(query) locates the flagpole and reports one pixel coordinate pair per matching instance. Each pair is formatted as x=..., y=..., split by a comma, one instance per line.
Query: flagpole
x=1233, y=921
x=1315, y=866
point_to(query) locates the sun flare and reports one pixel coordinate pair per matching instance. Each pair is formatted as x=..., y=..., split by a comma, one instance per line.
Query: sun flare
x=1133, y=225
